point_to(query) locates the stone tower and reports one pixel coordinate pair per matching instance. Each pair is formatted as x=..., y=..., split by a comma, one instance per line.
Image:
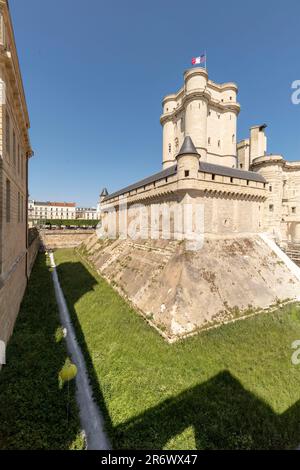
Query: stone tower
x=205, y=111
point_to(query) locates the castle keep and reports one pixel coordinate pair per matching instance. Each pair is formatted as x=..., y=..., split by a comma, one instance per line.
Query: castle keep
x=249, y=201
x=243, y=189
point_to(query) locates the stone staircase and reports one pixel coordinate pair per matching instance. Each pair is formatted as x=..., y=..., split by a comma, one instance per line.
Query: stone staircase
x=293, y=252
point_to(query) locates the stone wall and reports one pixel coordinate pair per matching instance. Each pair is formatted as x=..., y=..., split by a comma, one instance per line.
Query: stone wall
x=11, y=295
x=180, y=292
x=64, y=238
x=32, y=254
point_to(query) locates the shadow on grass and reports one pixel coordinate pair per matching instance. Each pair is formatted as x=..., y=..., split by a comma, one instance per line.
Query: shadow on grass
x=221, y=412
x=33, y=410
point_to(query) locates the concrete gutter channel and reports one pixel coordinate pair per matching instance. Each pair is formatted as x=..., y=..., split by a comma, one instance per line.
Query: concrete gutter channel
x=92, y=421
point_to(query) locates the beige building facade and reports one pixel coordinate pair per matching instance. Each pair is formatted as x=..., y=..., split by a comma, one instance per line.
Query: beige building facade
x=87, y=213
x=15, y=151
x=205, y=111
x=40, y=211
x=242, y=189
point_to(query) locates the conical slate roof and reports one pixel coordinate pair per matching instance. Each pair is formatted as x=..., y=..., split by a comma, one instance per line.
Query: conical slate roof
x=104, y=192
x=187, y=148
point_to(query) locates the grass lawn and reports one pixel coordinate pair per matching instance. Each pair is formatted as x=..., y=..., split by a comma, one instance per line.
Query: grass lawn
x=233, y=387
x=33, y=411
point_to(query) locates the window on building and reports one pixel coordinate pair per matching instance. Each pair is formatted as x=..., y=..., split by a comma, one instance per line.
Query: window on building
x=233, y=138
x=22, y=166
x=293, y=210
x=170, y=148
x=219, y=115
x=270, y=188
x=213, y=177
x=231, y=179
x=241, y=165
x=219, y=143
x=7, y=135
x=19, y=207
x=22, y=209
x=230, y=98
x=209, y=141
x=19, y=159
x=271, y=207
x=8, y=201
x=186, y=173
x=14, y=149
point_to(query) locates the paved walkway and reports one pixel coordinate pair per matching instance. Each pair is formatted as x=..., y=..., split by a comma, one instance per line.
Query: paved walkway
x=91, y=419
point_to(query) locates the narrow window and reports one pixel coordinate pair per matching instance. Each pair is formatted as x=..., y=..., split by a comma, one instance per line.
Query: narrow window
x=241, y=165
x=219, y=143
x=186, y=173
x=247, y=182
x=271, y=207
x=231, y=180
x=213, y=177
x=233, y=138
x=18, y=159
x=22, y=209
x=170, y=148
x=270, y=188
x=7, y=136
x=7, y=201
x=294, y=210
x=209, y=140
x=14, y=149
x=19, y=208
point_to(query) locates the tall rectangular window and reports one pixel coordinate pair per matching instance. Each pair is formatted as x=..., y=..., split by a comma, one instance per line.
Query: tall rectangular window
x=19, y=158
x=14, y=149
x=22, y=209
x=22, y=166
x=19, y=207
x=8, y=201
x=7, y=135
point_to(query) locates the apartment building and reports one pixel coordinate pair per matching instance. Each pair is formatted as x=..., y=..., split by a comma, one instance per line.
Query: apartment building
x=41, y=211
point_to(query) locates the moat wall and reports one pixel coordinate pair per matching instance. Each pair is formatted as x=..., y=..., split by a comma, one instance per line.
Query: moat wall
x=180, y=292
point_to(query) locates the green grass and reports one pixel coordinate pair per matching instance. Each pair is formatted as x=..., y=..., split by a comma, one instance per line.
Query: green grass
x=233, y=387
x=33, y=411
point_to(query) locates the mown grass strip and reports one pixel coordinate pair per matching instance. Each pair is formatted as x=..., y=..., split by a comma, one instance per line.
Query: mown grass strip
x=33, y=410
x=234, y=387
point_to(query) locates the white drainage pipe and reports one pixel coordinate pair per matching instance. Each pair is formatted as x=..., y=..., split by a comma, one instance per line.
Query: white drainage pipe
x=91, y=420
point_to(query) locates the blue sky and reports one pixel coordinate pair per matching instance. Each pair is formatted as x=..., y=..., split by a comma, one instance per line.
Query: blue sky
x=95, y=73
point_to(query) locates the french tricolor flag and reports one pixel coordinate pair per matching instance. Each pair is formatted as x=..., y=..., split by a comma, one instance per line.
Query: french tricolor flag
x=199, y=60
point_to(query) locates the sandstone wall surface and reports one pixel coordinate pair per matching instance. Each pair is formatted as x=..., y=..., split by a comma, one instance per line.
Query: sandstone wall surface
x=64, y=238
x=181, y=291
